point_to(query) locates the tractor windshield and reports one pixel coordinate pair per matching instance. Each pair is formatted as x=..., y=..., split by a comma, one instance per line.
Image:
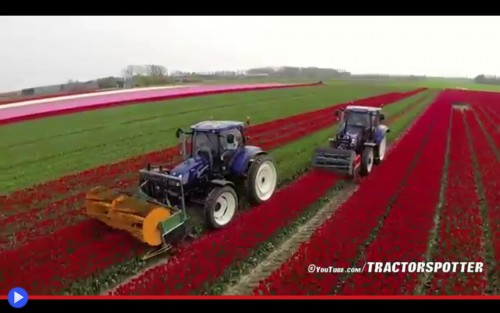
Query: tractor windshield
x=357, y=119
x=214, y=142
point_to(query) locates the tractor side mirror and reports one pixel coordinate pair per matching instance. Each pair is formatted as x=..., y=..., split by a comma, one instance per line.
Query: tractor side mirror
x=382, y=117
x=230, y=138
x=178, y=133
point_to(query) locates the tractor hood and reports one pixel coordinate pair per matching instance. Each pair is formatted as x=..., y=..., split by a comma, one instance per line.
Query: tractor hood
x=194, y=166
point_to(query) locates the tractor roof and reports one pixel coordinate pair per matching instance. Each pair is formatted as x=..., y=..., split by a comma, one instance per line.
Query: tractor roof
x=362, y=108
x=217, y=126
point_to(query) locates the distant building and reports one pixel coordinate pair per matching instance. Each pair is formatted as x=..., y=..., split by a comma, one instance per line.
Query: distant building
x=257, y=75
x=69, y=87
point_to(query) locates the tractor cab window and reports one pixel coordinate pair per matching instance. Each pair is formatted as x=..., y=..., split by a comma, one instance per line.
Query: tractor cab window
x=205, y=141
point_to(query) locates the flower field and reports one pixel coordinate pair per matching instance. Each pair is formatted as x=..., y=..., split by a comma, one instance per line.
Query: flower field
x=438, y=200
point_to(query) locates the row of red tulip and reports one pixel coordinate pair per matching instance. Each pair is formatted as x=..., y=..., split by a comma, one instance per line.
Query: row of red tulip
x=488, y=121
x=460, y=232
x=490, y=178
x=405, y=232
x=339, y=241
x=494, y=111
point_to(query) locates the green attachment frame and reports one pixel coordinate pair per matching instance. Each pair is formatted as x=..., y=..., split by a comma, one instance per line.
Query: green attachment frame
x=179, y=215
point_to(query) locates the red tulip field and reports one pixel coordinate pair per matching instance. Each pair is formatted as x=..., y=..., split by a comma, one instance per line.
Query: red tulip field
x=435, y=198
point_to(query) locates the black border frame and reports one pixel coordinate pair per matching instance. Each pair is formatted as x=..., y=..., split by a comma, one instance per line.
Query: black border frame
x=271, y=305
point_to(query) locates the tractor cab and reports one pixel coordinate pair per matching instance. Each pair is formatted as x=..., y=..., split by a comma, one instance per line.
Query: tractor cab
x=358, y=122
x=215, y=140
x=363, y=117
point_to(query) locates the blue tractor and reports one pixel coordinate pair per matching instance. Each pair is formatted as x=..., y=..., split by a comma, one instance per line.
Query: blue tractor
x=360, y=142
x=217, y=170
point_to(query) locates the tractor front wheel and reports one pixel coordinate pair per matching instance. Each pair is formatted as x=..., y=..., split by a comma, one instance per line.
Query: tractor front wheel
x=221, y=206
x=367, y=161
x=262, y=179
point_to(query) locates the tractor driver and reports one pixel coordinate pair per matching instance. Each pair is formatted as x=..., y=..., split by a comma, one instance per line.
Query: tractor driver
x=231, y=143
x=231, y=140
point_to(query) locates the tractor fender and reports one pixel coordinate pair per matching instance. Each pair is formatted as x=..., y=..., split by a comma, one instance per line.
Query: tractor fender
x=379, y=133
x=243, y=158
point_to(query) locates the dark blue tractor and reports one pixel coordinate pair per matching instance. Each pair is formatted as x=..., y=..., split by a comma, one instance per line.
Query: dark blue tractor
x=359, y=143
x=218, y=168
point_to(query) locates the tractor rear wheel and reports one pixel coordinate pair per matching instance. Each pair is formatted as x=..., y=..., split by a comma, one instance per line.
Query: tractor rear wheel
x=262, y=179
x=366, y=161
x=380, y=152
x=221, y=206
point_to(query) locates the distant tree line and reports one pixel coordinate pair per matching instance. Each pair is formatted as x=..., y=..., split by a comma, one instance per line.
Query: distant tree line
x=133, y=76
x=298, y=72
x=325, y=73
x=388, y=77
x=155, y=75
x=487, y=79
x=145, y=75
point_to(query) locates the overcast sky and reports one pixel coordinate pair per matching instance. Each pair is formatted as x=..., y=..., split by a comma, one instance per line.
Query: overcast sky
x=49, y=50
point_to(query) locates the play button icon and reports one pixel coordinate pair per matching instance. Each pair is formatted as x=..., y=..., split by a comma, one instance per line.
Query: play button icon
x=18, y=297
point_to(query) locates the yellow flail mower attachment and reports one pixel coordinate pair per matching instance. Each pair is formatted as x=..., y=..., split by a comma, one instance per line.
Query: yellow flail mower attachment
x=143, y=219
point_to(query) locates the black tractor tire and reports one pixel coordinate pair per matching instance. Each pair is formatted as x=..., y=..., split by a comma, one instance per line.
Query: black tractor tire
x=367, y=159
x=380, y=151
x=262, y=174
x=221, y=206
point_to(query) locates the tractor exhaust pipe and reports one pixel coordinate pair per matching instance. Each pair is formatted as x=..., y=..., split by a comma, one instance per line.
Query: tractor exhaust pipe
x=182, y=140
